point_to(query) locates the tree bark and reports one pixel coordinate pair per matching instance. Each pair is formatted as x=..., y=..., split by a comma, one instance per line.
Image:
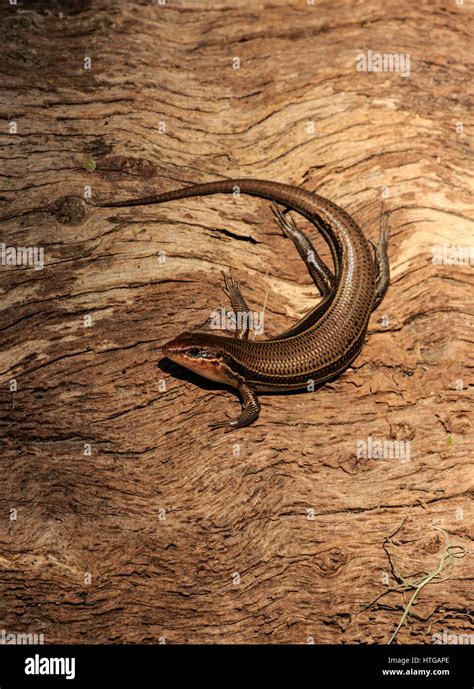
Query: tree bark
x=125, y=518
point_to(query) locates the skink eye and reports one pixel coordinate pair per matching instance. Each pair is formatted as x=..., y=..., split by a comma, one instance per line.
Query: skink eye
x=194, y=351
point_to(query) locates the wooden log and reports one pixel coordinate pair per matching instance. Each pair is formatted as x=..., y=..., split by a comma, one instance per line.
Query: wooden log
x=125, y=518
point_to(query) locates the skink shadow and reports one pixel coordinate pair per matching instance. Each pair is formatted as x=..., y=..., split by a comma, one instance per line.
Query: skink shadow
x=182, y=373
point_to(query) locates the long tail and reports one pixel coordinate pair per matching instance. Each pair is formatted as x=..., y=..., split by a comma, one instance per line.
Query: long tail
x=300, y=200
x=282, y=193
x=224, y=186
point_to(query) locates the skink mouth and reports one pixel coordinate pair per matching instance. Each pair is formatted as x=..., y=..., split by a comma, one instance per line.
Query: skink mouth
x=170, y=348
x=169, y=351
x=178, y=345
x=174, y=351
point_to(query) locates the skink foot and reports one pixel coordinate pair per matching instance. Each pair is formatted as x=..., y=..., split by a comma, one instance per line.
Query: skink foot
x=250, y=410
x=322, y=277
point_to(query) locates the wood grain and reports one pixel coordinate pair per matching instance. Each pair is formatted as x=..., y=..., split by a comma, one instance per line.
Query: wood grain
x=125, y=518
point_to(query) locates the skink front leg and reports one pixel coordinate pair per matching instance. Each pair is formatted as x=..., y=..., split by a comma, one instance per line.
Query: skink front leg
x=239, y=306
x=250, y=410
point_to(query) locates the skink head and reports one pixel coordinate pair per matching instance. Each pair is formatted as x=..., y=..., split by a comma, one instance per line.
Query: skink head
x=201, y=353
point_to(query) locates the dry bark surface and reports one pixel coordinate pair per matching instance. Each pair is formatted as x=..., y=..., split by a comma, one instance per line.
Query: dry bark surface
x=125, y=518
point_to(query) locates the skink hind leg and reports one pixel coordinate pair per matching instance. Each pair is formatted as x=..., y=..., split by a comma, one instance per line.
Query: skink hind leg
x=250, y=410
x=320, y=273
x=239, y=306
x=383, y=266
